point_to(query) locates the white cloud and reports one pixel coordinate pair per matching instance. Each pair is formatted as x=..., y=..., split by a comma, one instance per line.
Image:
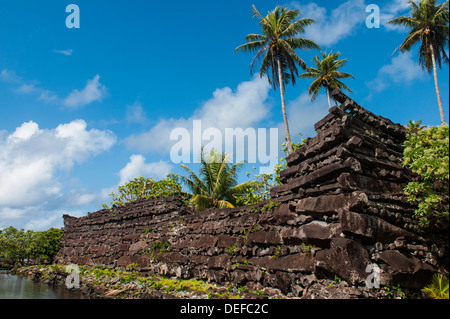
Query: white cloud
x=34, y=162
x=9, y=76
x=403, y=70
x=303, y=114
x=331, y=27
x=48, y=96
x=137, y=167
x=26, y=88
x=93, y=91
x=64, y=52
x=244, y=107
x=46, y=221
x=391, y=10
x=135, y=114
x=11, y=213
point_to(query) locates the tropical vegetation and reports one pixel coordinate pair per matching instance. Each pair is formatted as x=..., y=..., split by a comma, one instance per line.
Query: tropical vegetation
x=216, y=185
x=275, y=47
x=145, y=188
x=326, y=75
x=20, y=246
x=426, y=153
x=428, y=27
x=438, y=288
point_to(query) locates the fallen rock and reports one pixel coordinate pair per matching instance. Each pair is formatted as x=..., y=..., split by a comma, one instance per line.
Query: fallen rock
x=346, y=258
x=409, y=272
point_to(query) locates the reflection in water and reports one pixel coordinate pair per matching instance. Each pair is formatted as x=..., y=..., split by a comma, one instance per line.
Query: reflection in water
x=16, y=287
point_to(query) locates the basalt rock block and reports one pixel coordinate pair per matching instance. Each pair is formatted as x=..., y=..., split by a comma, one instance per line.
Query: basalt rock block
x=408, y=272
x=317, y=233
x=330, y=204
x=371, y=229
x=302, y=262
x=346, y=258
x=264, y=238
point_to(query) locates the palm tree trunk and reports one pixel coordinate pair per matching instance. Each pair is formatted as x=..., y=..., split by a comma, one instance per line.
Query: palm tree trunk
x=438, y=93
x=283, y=108
x=328, y=96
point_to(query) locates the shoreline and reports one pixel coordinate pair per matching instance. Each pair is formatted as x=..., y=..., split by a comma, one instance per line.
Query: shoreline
x=103, y=282
x=96, y=282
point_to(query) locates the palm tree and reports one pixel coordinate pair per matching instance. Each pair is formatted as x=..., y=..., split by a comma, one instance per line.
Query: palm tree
x=217, y=184
x=326, y=75
x=414, y=126
x=428, y=26
x=275, y=46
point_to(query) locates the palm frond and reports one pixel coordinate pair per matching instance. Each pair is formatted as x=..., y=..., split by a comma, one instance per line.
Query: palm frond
x=251, y=46
x=326, y=73
x=224, y=204
x=201, y=202
x=278, y=42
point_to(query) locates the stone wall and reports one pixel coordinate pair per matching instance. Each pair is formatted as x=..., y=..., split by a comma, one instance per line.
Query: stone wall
x=340, y=209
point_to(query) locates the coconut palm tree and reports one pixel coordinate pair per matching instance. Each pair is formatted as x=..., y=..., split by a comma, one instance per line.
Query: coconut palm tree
x=326, y=75
x=217, y=182
x=428, y=26
x=275, y=46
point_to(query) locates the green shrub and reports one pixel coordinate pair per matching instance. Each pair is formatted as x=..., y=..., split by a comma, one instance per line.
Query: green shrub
x=145, y=188
x=426, y=153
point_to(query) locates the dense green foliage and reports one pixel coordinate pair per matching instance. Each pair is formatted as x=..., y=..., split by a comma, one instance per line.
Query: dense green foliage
x=20, y=246
x=257, y=190
x=145, y=188
x=217, y=184
x=426, y=153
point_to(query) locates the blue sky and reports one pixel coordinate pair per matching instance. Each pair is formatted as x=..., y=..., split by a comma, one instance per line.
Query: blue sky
x=84, y=110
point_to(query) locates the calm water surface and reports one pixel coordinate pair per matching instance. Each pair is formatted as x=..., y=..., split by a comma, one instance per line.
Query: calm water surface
x=16, y=287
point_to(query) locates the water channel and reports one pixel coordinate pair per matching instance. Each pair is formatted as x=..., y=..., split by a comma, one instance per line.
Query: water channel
x=17, y=287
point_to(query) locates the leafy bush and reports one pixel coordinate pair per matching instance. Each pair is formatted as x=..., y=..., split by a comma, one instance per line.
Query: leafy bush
x=145, y=188
x=258, y=189
x=426, y=153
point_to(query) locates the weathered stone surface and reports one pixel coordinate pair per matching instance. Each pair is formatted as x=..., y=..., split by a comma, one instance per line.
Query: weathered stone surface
x=371, y=228
x=347, y=181
x=136, y=247
x=292, y=263
x=317, y=233
x=346, y=258
x=220, y=262
x=330, y=204
x=409, y=272
x=264, y=238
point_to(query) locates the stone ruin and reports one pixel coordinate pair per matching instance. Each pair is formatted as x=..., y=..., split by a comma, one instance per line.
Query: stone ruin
x=341, y=209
